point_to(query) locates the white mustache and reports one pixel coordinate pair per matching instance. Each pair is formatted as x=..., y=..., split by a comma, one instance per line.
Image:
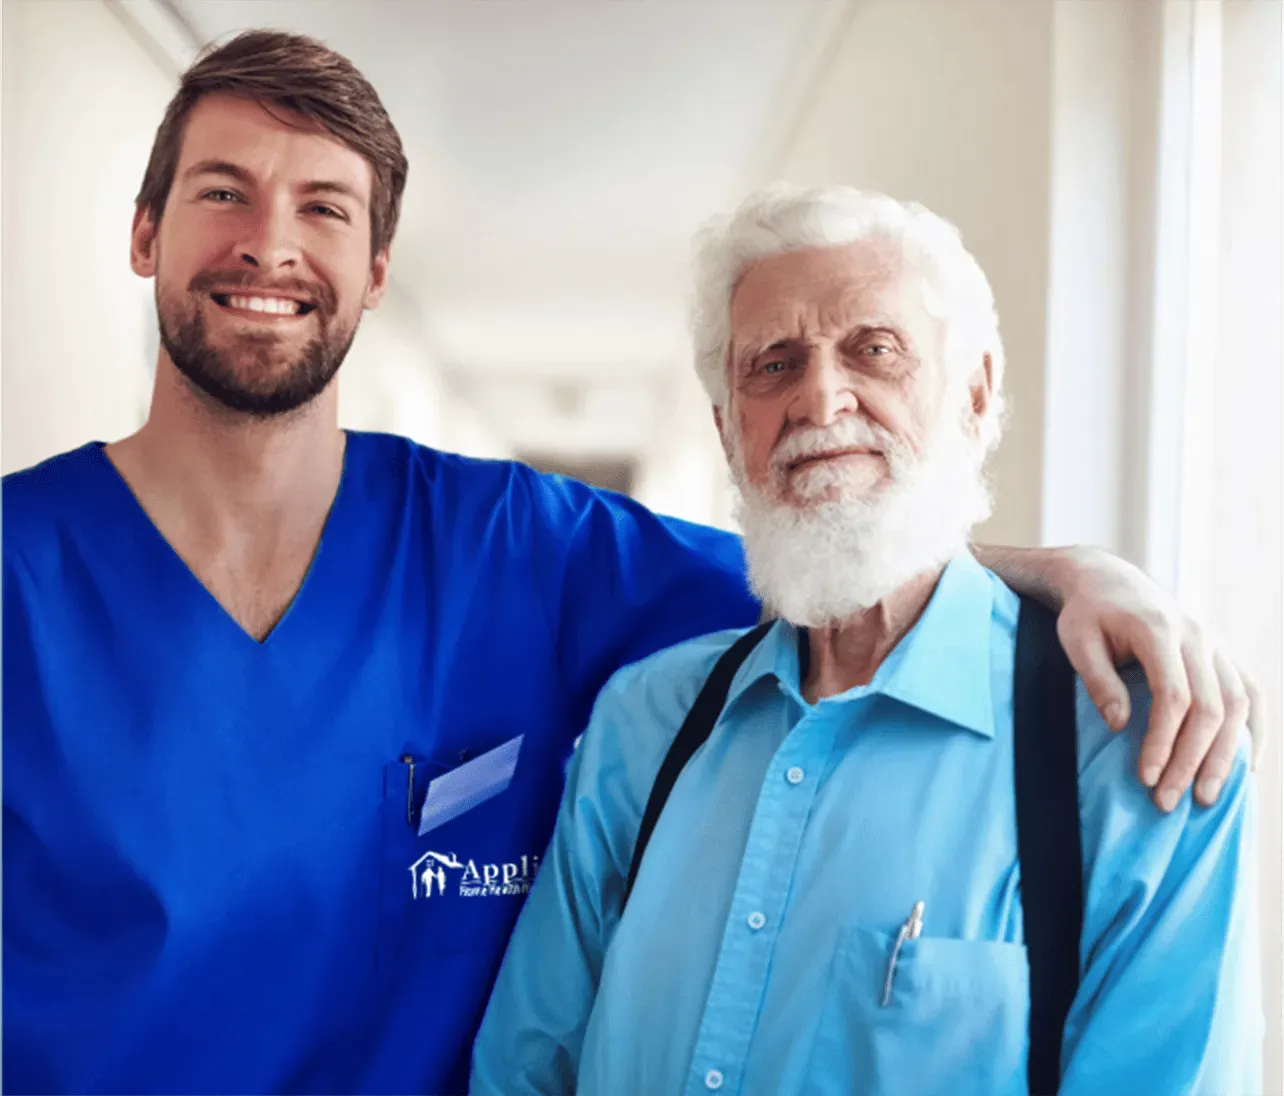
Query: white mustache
x=847, y=433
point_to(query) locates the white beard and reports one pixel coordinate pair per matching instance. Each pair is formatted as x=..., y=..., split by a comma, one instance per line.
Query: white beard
x=818, y=562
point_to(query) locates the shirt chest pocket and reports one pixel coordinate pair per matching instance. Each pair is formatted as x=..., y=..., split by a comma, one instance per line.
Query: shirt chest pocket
x=458, y=887
x=956, y=1018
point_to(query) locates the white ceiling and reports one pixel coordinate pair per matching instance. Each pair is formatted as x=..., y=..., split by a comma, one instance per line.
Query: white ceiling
x=561, y=154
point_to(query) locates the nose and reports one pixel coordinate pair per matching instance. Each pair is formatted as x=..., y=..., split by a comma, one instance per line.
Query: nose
x=824, y=392
x=269, y=240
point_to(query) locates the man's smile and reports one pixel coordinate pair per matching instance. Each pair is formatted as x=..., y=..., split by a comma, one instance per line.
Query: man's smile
x=268, y=307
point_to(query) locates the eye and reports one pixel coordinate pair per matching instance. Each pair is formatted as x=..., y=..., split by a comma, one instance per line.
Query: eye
x=221, y=195
x=773, y=368
x=324, y=210
x=877, y=350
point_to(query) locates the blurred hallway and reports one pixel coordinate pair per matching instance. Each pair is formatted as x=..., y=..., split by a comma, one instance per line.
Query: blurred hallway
x=1115, y=167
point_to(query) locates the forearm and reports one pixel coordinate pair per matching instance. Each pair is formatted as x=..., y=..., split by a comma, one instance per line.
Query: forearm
x=1045, y=574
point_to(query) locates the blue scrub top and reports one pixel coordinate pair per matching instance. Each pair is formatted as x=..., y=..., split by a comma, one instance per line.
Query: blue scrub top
x=293, y=866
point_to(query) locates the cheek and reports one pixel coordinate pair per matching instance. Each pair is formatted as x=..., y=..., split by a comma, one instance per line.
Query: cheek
x=182, y=254
x=174, y=274
x=349, y=278
x=202, y=233
x=759, y=424
x=900, y=413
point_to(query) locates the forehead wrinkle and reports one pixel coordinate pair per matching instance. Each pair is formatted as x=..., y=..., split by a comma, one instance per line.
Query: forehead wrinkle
x=831, y=317
x=823, y=294
x=819, y=272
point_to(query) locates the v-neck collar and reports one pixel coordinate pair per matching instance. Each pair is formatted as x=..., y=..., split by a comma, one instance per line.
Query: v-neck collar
x=168, y=556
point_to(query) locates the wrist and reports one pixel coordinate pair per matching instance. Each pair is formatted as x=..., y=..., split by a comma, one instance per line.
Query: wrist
x=1070, y=567
x=1051, y=576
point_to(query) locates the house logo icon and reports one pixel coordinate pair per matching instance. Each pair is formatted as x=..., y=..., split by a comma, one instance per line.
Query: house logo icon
x=429, y=871
x=478, y=879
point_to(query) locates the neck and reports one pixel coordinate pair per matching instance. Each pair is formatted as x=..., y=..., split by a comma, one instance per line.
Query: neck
x=228, y=476
x=848, y=652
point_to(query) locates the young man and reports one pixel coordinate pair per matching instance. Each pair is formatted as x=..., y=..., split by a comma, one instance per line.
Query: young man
x=287, y=710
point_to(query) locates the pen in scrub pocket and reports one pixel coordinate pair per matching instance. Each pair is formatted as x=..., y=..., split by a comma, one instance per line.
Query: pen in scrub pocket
x=911, y=930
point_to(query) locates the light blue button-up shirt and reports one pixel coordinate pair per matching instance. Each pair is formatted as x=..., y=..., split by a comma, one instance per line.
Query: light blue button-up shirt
x=753, y=956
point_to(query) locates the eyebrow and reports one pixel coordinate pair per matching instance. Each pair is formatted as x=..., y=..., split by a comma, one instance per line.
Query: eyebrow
x=235, y=171
x=327, y=186
x=792, y=342
x=218, y=167
x=780, y=344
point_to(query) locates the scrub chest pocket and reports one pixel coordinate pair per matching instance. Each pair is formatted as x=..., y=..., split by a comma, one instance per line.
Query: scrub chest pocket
x=956, y=1020
x=459, y=887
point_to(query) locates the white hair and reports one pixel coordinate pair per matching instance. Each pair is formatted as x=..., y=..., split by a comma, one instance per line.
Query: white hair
x=784, y=218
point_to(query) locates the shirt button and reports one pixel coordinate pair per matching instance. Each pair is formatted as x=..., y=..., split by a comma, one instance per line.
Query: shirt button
x=713, y=1080
x=794, y=775
x=756, y=920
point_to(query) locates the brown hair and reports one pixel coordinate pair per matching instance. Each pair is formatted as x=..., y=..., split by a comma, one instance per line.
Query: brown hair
x=297, y=74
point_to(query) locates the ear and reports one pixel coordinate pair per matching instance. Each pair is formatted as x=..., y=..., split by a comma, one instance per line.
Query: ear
x=378, y=284
x=142, y=244
x=980, y=389
x=722, y=431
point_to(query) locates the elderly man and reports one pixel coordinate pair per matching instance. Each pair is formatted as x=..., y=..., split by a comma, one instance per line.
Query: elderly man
x=867, y=869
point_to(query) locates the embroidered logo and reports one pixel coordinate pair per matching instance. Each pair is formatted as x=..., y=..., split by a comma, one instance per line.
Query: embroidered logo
x=428, y=877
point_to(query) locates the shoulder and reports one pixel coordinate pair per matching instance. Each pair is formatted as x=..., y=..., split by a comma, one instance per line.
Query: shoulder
x=37, y=501
x=665, y=684
x=639, y=711
x=52, y=481
x=1103, y=753
x=469, y=500
x=377, y=456
x=482, y=482
x=552, y=512
x=1124, y=834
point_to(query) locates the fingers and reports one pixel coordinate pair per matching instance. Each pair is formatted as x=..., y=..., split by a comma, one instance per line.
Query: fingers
x=1203, y=720
x=1235, y=700
x=1157, y=645
x=1200, y=700
x=1258, y=719
x=1088, y=654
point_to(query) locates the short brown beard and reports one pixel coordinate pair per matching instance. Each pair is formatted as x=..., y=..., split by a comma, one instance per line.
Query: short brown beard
x=184, y=336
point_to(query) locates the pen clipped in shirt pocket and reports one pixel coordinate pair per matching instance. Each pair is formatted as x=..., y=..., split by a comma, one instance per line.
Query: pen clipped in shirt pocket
x=956, y=1020
x=459, y=852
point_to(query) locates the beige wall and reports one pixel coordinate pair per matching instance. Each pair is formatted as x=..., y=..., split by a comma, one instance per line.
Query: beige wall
x=949, y=104
x=81, y=103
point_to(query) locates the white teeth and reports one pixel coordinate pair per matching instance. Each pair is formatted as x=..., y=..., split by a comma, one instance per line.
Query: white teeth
x=280, y=306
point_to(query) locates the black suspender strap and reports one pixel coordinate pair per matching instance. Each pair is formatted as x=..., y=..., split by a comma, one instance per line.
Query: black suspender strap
x=1048, y=845
x=1046, y=776
x=695, y=729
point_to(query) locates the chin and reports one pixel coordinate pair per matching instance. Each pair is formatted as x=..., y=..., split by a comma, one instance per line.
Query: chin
x=823, y=485
x=854, y=539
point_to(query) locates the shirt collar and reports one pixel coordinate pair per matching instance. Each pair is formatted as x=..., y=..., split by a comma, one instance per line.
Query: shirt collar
x=941, y=666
